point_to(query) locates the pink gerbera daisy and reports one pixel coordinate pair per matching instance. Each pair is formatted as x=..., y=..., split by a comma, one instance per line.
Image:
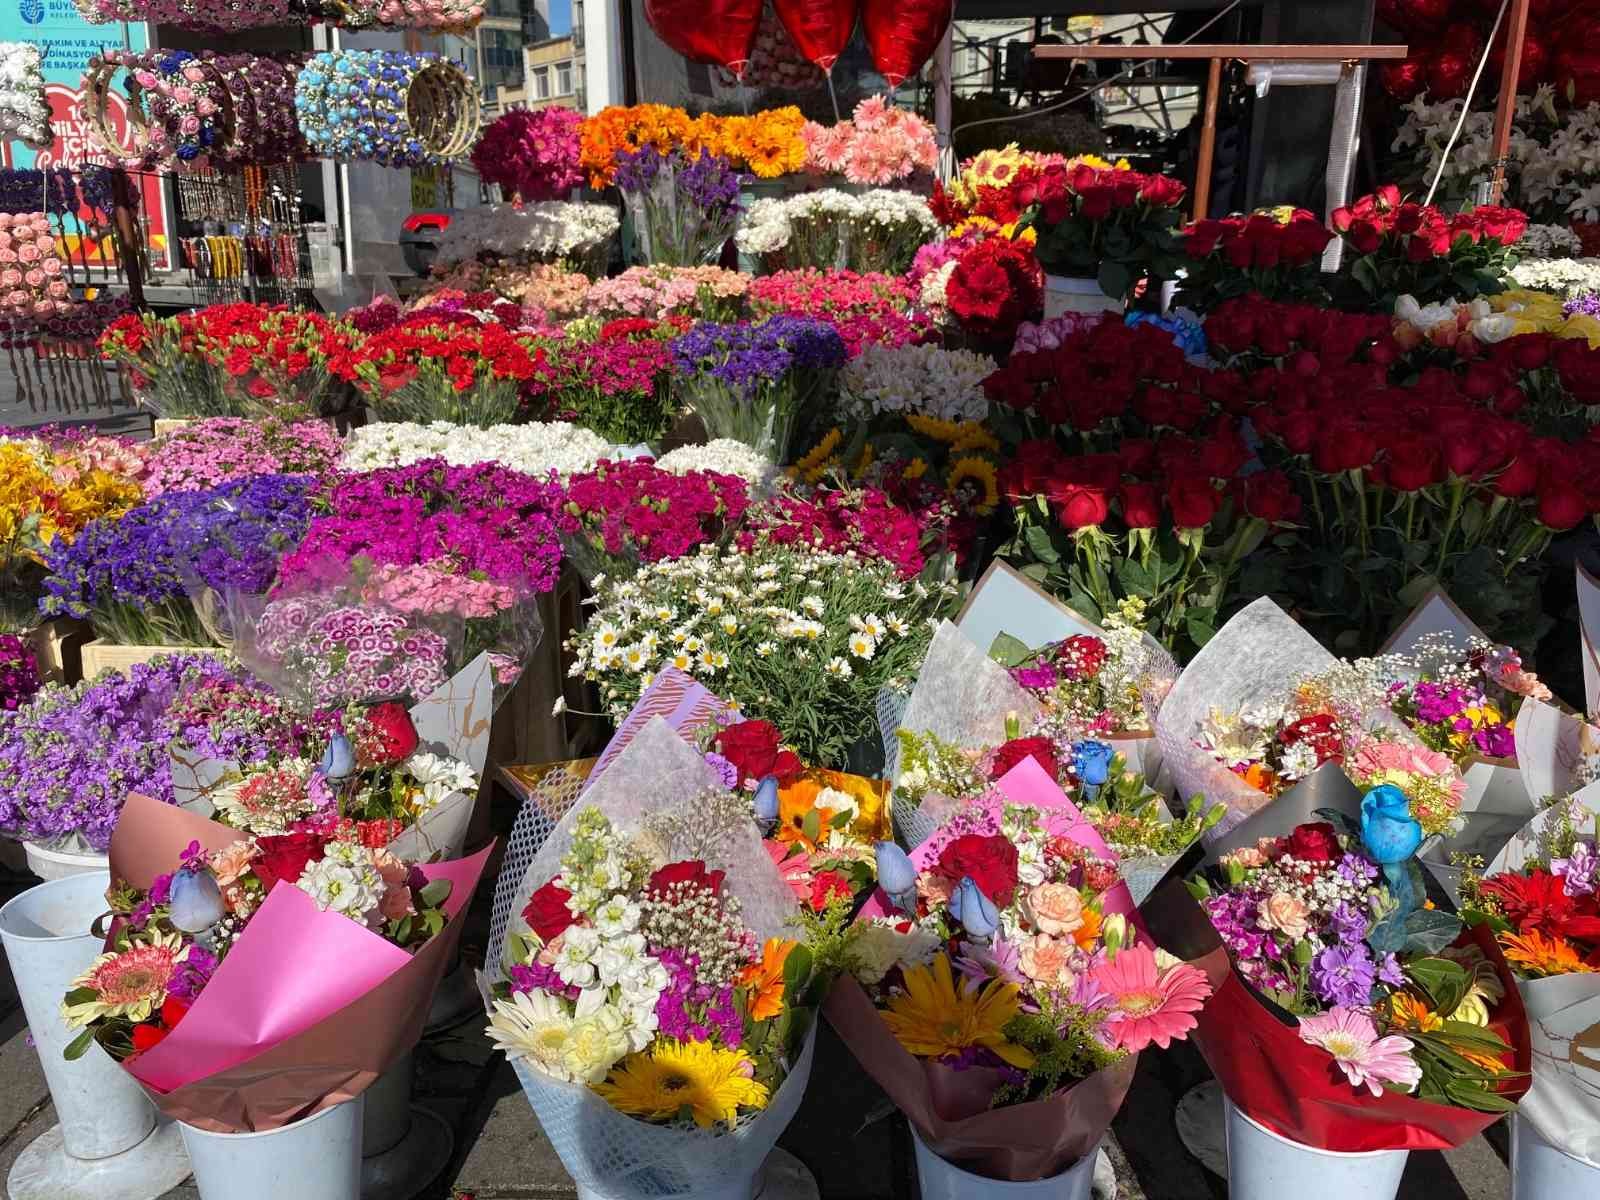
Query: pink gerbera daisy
x=1147, y=1003
x=1366, y=1059
x=795, y=868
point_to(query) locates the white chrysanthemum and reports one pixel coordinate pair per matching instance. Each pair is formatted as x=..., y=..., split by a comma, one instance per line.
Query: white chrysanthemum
x=537, y=448
x=928, y=380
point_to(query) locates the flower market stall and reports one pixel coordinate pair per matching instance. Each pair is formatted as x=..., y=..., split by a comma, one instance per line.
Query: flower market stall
x=782, y=670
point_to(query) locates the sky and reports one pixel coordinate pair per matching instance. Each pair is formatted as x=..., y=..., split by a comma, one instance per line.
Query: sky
x=560, y=17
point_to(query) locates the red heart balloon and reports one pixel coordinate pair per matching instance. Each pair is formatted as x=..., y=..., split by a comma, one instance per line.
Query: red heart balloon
x=1415, y=16
x=821, y=28
x=903, y=34
x=719, y=32
x=1577, y=76
x=1535, y=60
x=1404, y=80
x=1449, y=72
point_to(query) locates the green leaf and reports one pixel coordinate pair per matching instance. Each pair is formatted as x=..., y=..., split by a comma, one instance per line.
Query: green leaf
x=797, y=968
x=1198, y=624
x=80, y=996
x=1135, y=580
x=1428, y=931
x=1009, y=651
x=1038, y=572
x=434, y=893
x=1115, y=280
x=811, y=825
x=78, y=1045
x=1039, y=544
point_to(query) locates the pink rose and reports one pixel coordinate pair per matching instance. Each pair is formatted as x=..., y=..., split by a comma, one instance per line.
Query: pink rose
x=1249, y=857
x=51, y=266
x=1285, y=913
x=17, y=299
x=5, y=220
x=10, y=278
x=34, y=278
x=42, y=308
x=7, y=254
x=183, y=95
x=145, y=79
x=28, y=253
x=205, y=108
x=194, y=74
x=1054, y=908
x=1046, y=960
x=57, y=288
x=189, y=125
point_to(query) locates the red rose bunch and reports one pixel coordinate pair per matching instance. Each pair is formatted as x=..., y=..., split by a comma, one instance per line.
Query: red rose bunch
x=756, y=750
x=996, y=285
x=1421, y=250
x=1259, y=254
x=1114, y=225
x=547, y=913
x=990, y=861
x=1040, y=749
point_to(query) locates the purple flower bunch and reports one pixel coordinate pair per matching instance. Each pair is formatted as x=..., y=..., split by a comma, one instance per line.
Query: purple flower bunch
x=1587, y=305
x=685, y=208
x=751, y=355
x=19, y=674
x=486, y=520
x=70, y=755
x=691, y=1011
x=133, y=576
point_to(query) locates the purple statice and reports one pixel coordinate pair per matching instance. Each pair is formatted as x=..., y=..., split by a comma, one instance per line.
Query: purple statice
x=70, y=756
x=638, y=169
x=1349, y=923
x=711, y=183
x=538, y=977
x=133, y=575
x=747, y=356
x=1343, y=975
x=684, y=209
x=692, y=1011
x=192, y=974
x=727, y=773
x=19, y=674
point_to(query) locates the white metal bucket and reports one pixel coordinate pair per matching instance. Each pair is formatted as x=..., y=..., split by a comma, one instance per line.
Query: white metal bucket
x=1263, y=1165
x=1539, y=1171
x=1069, y=293
x=104, y=1143
x=62, y=864
x=941, y=1180
x=318, y=1158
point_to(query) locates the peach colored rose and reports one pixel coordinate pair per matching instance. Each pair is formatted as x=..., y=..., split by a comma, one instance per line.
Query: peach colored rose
x=27, y=253
x=1054, y=908
x=1286, y=914
x=396, y=902
x=51, y=266
x=34, y=278
x=56, y=288
x=1044, y=959
x=934, y=890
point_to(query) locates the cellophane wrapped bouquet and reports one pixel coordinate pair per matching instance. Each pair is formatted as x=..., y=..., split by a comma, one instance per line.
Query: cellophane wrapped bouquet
x=655, y=1003
x=684, y=205
x=1000, y=987
x=1353, y=1011
x=250, y=981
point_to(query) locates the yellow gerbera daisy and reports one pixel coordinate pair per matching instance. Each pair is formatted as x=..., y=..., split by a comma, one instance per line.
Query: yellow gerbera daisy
x=1534, y=954
x=980, y=473
x=936, y=1016
x=709, y=1081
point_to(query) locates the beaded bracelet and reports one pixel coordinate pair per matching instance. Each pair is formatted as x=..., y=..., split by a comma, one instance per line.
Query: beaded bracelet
x=394, y=108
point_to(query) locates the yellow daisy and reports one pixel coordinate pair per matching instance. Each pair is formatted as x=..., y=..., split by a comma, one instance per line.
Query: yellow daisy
x=712, y=1083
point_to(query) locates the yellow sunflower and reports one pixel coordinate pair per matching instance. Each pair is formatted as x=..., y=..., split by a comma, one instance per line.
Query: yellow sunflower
x=975, y=437
x=980, y=473
x=933, y=427
x=936, y=1016
x=709, y=1081
x=815, y=459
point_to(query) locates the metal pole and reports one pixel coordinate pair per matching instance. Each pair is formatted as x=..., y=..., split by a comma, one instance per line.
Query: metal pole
x=1208, y=142
x=1507, y=107
x=943, y=86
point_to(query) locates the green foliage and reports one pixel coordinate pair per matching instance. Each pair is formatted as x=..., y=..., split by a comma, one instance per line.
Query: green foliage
x=1062, y=1040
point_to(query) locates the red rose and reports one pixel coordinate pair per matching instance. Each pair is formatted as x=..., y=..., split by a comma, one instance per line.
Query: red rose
x=1080, y=656
x=691, y=872
x=825, y=885
x=1270, y=496
x=1080, y=507
x=1561, y=506
x=1141, y=505
x=173, y=1011
x=1193, y=502
x=395, y=735
x=547, y=913
x=1519, y=478
x=1343, y=448
x=1413, y=463
x=991, y=863
x=146, y=1036
x=1037, y=748
x=1161, y=191
x=756, y=751
x=1316, y=842
x=284, y=856
x=1364, y=237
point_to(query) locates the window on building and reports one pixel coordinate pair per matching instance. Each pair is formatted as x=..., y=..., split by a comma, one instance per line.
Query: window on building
x=564, y=79
x=541, y=83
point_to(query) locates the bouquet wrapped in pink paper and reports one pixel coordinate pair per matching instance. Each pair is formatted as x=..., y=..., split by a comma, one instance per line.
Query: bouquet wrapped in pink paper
x=250, y=982
x=1002, y=988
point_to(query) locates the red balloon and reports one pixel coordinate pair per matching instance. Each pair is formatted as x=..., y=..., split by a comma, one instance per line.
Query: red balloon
x=1449, y=73
x=1463, y=36
x=821, y=28
x=1415, y=16
x=719, y=32
x=903, y=34
x=1404, y=80
x=1535, y=60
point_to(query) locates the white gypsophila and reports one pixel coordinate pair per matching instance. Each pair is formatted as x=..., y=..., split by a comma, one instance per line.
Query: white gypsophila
x=1548, y=241
x=345, y=883
x=439, y=776
x=24, y=109
x=725, y=456
x=924, y=379
x=537, y=448
x=1565, y=277
x=544, y=230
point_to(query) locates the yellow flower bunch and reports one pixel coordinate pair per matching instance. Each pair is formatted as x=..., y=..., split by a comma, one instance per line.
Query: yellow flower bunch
x=815, y=462
x=43, y=498
x=618, y=128
x=767, y=144
x=978, y=474
x=1540, y=312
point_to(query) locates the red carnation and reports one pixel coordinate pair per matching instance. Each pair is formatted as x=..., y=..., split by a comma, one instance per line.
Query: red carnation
x=756, y=751
x=691, y=872
x=146, y=1036
x=1013, y=752
x=547, y=913
x=991, y=863
x=825, y=885
x=283, y=856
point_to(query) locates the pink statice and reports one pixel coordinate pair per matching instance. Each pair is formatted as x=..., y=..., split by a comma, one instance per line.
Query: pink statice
x=1366, y=1059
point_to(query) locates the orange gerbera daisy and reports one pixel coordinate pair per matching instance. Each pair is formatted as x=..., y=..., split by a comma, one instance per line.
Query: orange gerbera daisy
x=764, y=979
x=1537, y=954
